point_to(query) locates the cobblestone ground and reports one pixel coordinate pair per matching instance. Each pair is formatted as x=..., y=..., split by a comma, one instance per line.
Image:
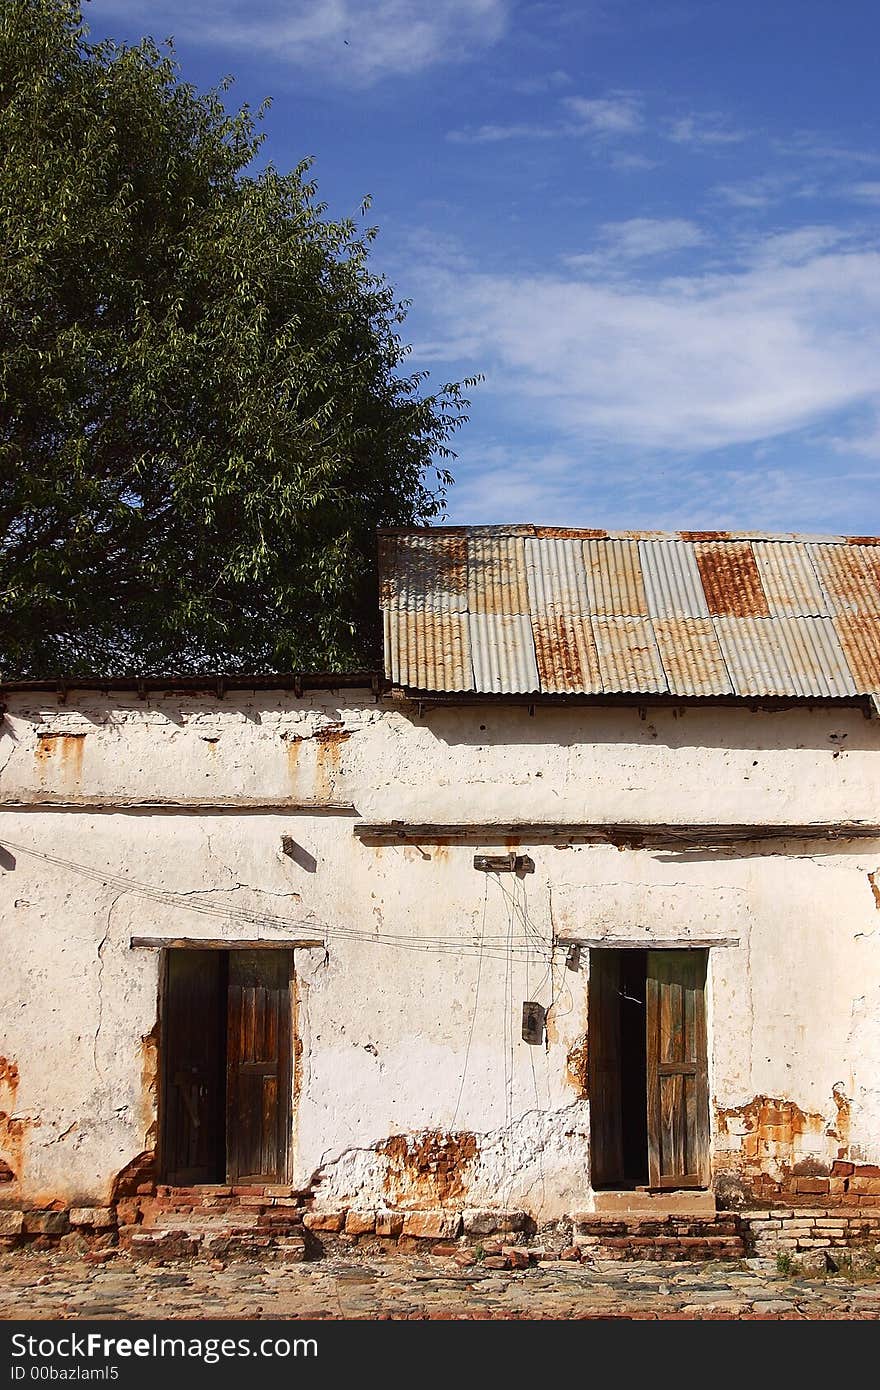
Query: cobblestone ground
x=45, y=1285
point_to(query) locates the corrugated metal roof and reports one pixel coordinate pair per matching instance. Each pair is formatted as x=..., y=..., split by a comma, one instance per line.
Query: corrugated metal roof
x=530, y=609
x=496, y=574
x=628, y=657
x=784, y=656
x=614, y=579
x=730, y=578
x=692, y=656
x=556, y=577
x=428, y=650
x=565, y=649
x=848, y=582
x=503, y=653
x=672, y=580
x=789, y=580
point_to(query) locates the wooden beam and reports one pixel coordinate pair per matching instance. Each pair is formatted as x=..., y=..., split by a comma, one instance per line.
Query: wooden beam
x=647, y=944
x=156, y=943
x=632, y=835
x=171, y=806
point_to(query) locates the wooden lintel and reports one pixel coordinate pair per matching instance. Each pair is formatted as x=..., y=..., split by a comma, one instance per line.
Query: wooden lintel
x=622, y=834
x=245, y=805
x=200, y=943
x=646, y=943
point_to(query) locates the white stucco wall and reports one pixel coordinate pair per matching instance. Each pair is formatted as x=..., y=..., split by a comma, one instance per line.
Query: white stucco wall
x=410, y=1018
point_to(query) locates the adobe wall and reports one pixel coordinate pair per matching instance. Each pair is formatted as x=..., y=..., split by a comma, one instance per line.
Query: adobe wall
x=413, y=1088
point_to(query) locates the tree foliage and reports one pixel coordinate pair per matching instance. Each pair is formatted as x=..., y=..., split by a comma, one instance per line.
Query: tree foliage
x=204, y=412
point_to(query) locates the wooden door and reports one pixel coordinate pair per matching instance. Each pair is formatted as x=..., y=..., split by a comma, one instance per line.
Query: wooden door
x=678, y=1081
x=259, y=1057
x=192, y=1096
x=603, y=1024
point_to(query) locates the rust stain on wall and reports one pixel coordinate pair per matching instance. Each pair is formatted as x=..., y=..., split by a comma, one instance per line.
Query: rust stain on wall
x=67, y=748
x=9, y=1075
x=874, y=880
x=577, y=1068
x=150, y=1085
x=294, y=744
x=329, y=741
x=12, y=1132
x=427, y=1169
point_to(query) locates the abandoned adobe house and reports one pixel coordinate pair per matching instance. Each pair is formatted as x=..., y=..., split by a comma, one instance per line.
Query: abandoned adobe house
x=571, y=914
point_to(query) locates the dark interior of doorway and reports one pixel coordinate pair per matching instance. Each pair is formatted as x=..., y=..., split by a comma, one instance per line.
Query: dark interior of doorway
x=633, y=1078
x=618, y=1068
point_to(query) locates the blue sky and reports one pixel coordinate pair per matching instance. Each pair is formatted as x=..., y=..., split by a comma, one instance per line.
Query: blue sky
x=651, y=224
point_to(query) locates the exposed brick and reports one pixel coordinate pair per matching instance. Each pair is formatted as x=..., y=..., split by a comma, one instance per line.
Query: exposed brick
x=324, y=1221
x=388, y=1223
x=865, y=1186
x=92, y=1216
x=11, y=1223
x=431, y=1225
x=444, y=1250
x=360, y=1223
x=46, y=1223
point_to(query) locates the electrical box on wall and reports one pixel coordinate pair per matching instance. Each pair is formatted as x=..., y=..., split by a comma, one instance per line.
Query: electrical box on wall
x=533, y=1020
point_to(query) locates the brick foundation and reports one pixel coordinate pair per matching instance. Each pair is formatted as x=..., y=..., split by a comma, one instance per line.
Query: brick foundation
x=278, y=1222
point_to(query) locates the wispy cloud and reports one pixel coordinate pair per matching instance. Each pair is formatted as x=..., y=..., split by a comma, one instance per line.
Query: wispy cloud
x=619, y=113
x=636, y=239
x=702, y=130
x=694, y=363
x=359, y=40
x=867, y=192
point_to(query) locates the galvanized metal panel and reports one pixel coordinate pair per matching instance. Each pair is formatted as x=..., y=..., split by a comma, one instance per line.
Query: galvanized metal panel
x=848, y=582
x=428, y=650
x=692, y=656
x=784, y=656
x=503, y=653
x=556, y=578
x=424, y=569
x=731, y=581
x=614, y=578
x=566, y=654
x=628, y=657
x=789, y=579
x=673, y=587
x=496, y=573
x=860, y=640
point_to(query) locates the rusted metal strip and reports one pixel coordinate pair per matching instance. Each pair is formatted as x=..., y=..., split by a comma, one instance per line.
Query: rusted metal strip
x=631, y=834
x=250, y=805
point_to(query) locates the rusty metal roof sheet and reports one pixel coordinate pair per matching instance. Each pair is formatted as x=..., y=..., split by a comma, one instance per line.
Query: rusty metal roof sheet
x=428, y=650
x=628, y=657
x=614, y=578
x=692, y=656
x=730, y=577
x=496, y=581
x=784, y=656
x=849, y=583
x=527, y=610
x=556, y=576
x=503, y=653
x=789, y=580
x=672, y=580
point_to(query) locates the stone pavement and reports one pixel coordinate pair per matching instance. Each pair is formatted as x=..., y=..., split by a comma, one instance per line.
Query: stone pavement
x=47, y=1285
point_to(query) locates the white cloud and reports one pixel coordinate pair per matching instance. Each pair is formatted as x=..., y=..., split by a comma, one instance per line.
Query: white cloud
x=868, y=192
x=494, y=134
x=703, y=130
x=619, y=113
x=360, y=40
x=692, y=363
x=639, y=238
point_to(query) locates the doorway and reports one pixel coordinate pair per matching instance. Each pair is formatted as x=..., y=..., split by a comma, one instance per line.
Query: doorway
x=225, y=1105
x=648, y=1069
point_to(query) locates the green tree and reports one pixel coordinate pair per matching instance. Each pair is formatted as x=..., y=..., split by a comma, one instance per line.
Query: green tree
x=205, y=412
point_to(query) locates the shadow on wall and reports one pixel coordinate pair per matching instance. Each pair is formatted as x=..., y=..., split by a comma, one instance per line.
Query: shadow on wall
x=815, y=728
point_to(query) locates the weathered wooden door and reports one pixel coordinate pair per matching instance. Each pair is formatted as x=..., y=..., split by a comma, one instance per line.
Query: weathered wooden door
x=259, y=1056
x=193, y=1051
x=606, y=1118
x=678, y=1081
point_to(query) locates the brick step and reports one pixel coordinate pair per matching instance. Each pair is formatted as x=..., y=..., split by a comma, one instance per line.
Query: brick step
x=660, y=1238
